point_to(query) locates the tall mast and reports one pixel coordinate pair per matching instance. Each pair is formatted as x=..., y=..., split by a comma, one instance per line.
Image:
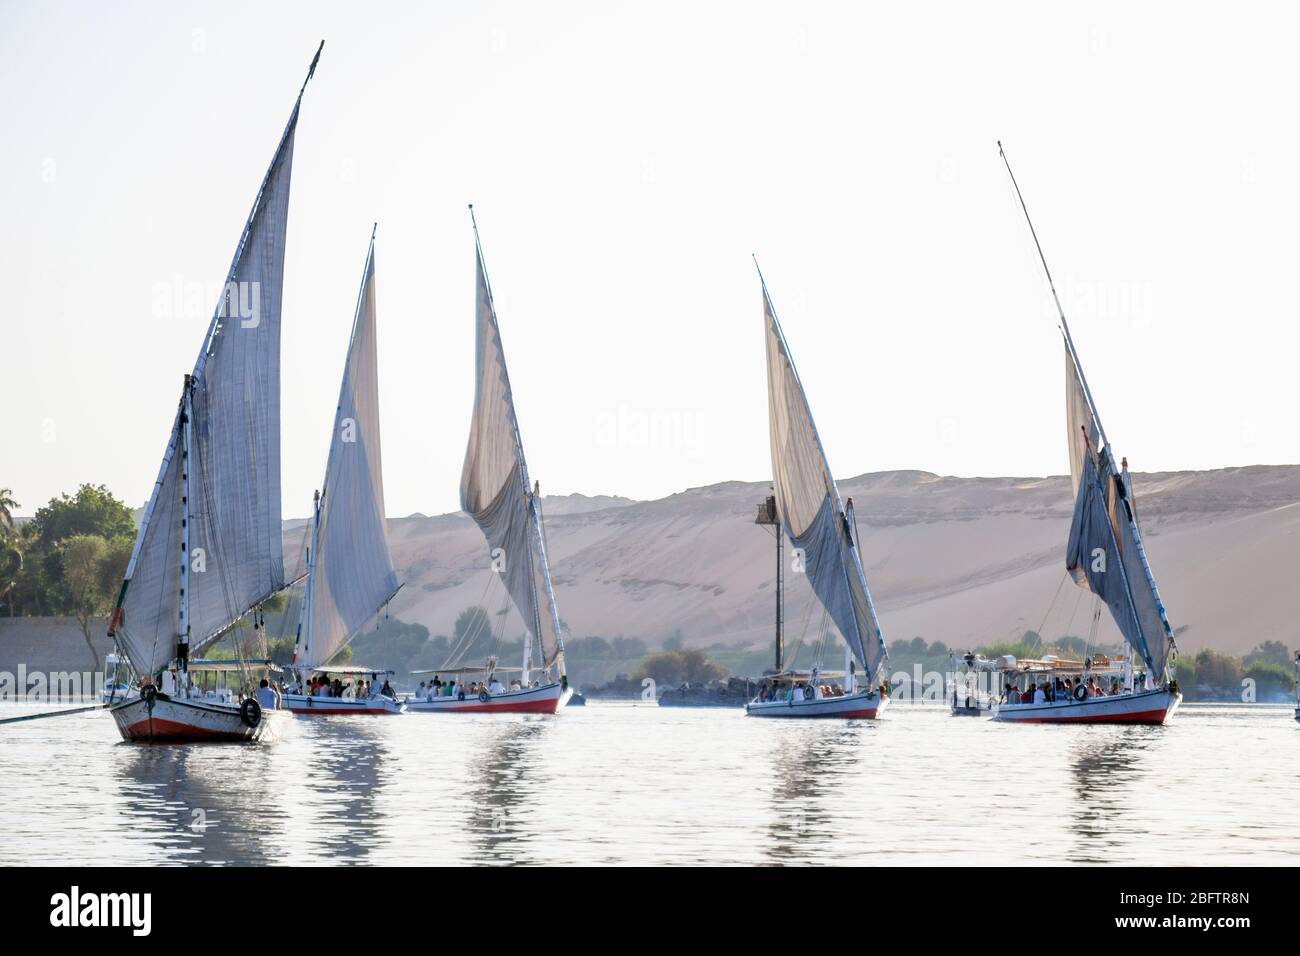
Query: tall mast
x=780, y=598
x=183, y=631
x=767, y=515
x=1065, y=326
x=304, y=612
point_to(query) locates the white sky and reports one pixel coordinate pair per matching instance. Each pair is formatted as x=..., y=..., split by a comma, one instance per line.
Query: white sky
x=624, y=160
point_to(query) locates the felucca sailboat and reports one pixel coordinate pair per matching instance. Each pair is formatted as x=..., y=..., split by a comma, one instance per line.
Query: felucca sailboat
x=209, y=550
x=806, y=507
x=496, y=492
x=1104, y=555
x=350, y=577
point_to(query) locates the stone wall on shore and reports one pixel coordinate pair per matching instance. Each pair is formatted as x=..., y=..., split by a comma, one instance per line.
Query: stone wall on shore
x=51, y=644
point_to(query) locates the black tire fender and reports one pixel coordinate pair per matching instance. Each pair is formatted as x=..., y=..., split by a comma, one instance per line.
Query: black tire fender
x=250, y=712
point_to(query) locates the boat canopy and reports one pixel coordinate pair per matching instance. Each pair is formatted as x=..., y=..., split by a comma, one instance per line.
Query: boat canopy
x=352, y=669
x=479, y=669
x=793, y=675
x=1097, y=665
x=217, y=665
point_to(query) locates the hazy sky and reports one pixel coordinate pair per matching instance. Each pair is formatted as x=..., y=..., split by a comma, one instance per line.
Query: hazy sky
x=624, y=160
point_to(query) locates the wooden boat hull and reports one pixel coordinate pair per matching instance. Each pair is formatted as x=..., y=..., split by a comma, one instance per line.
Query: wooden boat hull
x=547, y=699
x=184, y=721
x=1144, y=707
x=863, y=705
x=305, y=706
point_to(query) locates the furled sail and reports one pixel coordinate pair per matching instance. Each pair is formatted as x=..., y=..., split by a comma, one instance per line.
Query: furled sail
x=810, y=507
x=235, y=557
x=1104, y=553
x=352, y=573
x=494, y=486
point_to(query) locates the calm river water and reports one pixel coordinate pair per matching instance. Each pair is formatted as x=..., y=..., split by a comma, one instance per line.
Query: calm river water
x=619, y=783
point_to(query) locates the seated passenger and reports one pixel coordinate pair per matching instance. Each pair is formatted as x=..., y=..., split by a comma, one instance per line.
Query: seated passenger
x=266, y=696
x=1040, y=694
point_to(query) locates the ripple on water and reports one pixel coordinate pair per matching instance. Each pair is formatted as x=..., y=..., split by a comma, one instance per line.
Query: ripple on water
x=614, y=784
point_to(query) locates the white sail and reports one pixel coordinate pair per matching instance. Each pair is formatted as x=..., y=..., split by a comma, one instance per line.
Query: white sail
x=1104, y=553
x=495, y=489
x=352, y=573
x=235, y=555
x=811, y=511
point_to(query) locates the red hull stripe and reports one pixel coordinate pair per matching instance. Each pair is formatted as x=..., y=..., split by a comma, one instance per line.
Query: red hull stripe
x=170, y=730
x=1141, y=717
x=842, y=715
x=544, y=706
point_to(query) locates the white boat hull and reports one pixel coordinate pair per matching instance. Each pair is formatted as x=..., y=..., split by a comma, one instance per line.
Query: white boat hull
x=314, y=706
x=547, y=699
x=1144, y=707
x=185, y=721
x=864, y=705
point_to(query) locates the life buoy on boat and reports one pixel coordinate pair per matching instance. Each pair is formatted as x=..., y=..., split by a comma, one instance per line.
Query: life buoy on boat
x=250, y=712
x=809, y=693
x=1080, y=692
x=482, y=697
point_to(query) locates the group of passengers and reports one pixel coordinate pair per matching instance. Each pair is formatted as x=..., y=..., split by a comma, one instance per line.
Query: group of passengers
x=797, y=690
x=1063, y=689
x=436, y=688
x=320, y=685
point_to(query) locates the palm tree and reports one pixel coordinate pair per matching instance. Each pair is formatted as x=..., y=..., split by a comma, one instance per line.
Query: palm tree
x=7, y=506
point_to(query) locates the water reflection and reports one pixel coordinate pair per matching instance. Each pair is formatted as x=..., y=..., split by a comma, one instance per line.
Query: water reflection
x=1104, y=763
x=345, y=774
x=639, y=785
x=194, y=804
x=507, y=777
x=811, y=764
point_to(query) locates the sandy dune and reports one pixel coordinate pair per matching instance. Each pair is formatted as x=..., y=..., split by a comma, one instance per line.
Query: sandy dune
x=962, y=560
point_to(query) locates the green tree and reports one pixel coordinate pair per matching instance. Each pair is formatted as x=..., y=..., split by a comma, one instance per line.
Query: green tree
x=1271, y=680
x=1270, y=652
x=92, y=510
x=677, y=667
x=41, y=587
x=1216, y=670
x=93, y=569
